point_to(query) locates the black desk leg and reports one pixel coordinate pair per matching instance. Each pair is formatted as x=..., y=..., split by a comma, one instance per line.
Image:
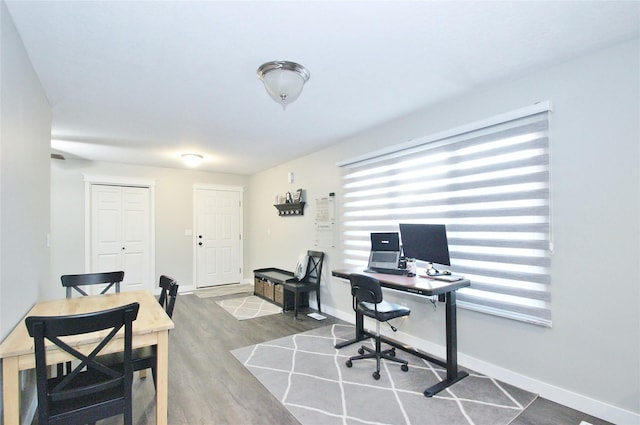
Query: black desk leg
x=453, y=375
x=361, y=334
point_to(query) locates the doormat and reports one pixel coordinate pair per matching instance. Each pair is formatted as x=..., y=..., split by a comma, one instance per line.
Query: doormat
x=309, y=377
x=249, y=307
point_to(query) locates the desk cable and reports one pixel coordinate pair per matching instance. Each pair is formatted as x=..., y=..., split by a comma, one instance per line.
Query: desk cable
x=434, y=301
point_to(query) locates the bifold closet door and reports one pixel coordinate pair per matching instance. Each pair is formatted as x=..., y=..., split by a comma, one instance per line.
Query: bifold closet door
x=120, y=229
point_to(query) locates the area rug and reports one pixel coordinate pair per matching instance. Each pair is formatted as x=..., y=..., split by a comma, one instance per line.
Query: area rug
x=218, y=291
x=309, y=377
x=249, y=307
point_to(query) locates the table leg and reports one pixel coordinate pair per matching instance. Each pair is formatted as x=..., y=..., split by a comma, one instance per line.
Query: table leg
x=162, y=384
x=453, y=375
x=10, y=390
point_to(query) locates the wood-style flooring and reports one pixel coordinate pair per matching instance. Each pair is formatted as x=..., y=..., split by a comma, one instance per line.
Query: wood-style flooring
x=208, y=386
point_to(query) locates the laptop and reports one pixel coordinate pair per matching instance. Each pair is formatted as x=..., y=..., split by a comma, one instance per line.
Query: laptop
x=385, y=252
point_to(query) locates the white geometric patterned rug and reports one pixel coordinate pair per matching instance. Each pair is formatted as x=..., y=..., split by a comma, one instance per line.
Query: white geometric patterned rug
x=309, y=377
x=249, y=307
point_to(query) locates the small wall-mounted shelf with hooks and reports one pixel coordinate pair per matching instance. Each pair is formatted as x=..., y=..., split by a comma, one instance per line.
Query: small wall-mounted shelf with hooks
x=290, y=209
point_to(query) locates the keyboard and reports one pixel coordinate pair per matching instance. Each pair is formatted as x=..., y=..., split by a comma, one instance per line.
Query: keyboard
x=386, y=271
x=444, y=277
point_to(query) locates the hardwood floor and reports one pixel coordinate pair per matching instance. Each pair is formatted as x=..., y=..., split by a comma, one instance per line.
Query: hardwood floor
x=208, y=386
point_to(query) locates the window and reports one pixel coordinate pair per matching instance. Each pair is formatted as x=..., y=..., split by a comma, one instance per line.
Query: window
x=489, y=184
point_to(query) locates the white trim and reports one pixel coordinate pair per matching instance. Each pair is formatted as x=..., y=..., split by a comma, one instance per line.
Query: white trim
x=497, y=119
x=205, y=186
x=97, y=179
x=118, y=180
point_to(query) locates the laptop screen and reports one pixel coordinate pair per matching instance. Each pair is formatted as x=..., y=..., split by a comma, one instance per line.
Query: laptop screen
x=389, y=241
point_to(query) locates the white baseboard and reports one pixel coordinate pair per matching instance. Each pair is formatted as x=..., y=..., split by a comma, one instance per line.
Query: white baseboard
x=556, y=394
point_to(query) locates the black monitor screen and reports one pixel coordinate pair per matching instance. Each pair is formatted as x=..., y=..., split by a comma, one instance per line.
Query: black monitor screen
x=426, y=242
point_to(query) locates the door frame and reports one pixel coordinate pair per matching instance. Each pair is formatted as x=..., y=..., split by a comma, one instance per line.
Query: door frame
x=99, y=179
x=218, y=187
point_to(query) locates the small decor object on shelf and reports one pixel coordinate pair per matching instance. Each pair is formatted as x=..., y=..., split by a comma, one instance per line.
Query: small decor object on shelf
x=289, y=199
x=297, y=196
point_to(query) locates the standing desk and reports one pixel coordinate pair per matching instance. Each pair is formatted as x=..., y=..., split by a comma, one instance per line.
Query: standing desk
x=150, y=328
x=425, y=287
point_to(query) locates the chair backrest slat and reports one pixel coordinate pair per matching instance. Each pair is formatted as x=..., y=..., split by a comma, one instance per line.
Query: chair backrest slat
x=75, y=281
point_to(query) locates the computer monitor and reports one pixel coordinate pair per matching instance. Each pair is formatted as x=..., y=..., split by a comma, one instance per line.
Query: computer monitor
x=425, y=242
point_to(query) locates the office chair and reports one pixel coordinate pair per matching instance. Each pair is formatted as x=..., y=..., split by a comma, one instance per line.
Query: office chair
x=75, y=281
x=310, y=281
x=93, y=390
x=145, y=357
x=367, y=300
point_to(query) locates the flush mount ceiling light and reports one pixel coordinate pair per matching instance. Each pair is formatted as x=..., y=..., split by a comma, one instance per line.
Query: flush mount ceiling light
x=283, y=80
x=192, y=159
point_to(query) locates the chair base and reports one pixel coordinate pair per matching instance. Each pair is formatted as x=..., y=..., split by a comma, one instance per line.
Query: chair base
x=378, y=354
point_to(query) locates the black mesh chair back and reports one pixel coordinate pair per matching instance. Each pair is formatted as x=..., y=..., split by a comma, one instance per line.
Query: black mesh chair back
x=92, y=390
x=310, y=281
x=75, y=281
x=368, y=301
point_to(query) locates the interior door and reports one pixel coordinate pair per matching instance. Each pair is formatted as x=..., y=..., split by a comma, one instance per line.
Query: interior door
x=217, y=237
x=120, y=233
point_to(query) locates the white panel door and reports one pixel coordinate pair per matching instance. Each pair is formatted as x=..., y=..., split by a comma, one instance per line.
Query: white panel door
x=120, y=228
x=217, y=237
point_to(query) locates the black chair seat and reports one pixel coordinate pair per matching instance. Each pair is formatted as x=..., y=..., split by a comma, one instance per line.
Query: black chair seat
x=110, y=397
x=141, y=359
x=383, y=311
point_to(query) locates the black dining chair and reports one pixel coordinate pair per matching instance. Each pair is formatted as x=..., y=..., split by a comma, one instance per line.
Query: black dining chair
x=76, y=281
x=145, y=357
x=310, y=281
x=367, y=300
x=93, y=390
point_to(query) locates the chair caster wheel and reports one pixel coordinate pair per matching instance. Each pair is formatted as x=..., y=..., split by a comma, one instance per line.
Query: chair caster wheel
x=361, y=350
x=349, y=363
x=404, y=368
x=376, y=375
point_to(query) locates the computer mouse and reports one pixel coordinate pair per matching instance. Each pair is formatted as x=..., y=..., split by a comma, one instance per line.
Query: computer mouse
x=446, y=272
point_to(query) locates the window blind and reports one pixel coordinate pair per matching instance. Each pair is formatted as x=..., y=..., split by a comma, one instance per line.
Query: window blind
x=490, y=186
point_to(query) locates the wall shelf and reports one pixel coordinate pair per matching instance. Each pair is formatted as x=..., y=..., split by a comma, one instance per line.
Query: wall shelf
x=290, y=209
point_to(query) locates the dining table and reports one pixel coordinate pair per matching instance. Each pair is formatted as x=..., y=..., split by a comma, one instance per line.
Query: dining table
x=150, y=328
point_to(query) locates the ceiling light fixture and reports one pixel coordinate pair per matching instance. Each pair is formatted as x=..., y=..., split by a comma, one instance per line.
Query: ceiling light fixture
x=192, y=159
x=283, y=80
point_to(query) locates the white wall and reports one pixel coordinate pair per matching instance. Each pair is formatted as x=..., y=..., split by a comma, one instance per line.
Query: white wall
x=24, y=180
x=25, y=129
x=173, y=215
x=590, y=358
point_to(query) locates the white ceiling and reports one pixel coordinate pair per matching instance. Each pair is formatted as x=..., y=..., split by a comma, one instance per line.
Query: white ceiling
x=144, y=81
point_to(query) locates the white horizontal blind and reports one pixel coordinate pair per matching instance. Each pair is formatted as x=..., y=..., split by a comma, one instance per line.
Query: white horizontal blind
x=490, y=187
